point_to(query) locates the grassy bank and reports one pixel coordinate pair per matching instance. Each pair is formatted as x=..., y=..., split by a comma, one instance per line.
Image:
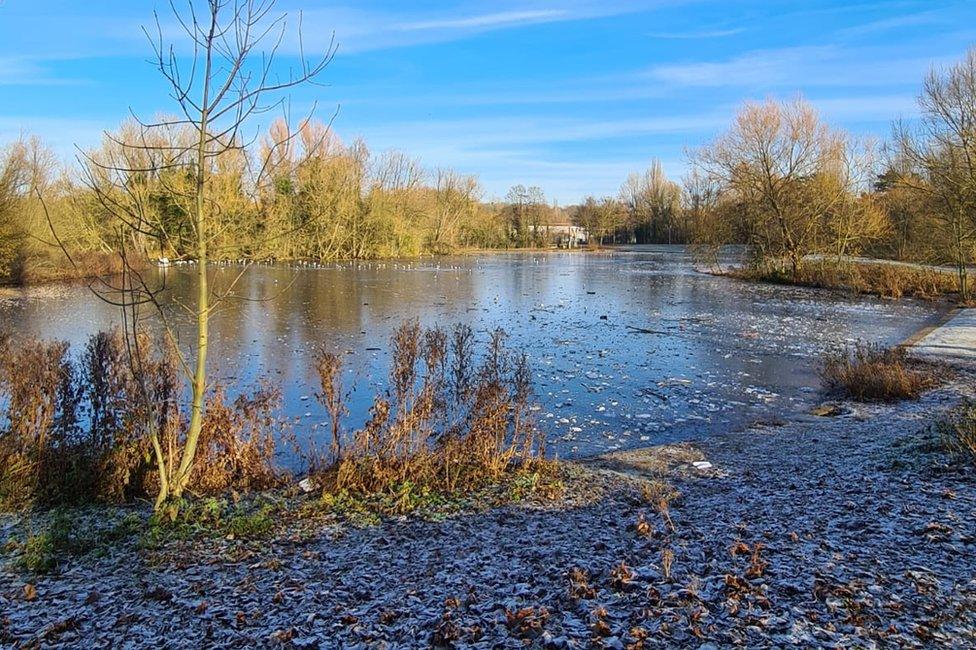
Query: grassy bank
x=880, y=279
x=861, y=544
x=47, y=269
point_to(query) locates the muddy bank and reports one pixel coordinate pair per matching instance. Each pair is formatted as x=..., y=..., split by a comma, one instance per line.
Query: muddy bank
x=851, y=530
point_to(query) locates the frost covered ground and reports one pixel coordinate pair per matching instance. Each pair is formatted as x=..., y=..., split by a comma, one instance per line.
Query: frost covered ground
x=852, y=531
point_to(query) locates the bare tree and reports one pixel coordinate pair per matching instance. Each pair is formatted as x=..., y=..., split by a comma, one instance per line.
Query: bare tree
x=527, y=210
x=600, y=218
x=228, y=77
x=936, y=157
x=785, y=171
x=456, y=196
x=14, y=184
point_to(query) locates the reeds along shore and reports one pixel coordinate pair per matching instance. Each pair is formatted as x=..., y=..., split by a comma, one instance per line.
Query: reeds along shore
x=85, y=428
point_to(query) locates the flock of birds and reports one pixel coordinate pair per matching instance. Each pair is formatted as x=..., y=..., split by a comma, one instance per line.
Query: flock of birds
x=164, y=262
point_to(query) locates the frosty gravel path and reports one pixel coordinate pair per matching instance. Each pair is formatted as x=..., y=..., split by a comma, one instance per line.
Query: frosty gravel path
x=833, y=532
x=953, y=341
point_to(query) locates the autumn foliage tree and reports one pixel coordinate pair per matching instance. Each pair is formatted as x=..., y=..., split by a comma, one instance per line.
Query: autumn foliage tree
x=935, y=159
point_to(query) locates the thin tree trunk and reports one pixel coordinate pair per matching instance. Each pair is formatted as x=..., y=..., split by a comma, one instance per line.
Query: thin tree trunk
x=199, y=386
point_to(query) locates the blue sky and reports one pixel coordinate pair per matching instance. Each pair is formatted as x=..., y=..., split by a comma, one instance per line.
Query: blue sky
x=570, y=95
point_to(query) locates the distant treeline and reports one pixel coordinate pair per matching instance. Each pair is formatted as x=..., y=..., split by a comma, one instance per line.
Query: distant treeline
x=316, y=199
x=780, y=180
x=795, y=189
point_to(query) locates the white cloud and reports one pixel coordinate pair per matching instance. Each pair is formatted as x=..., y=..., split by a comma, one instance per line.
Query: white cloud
x=760, y=67
x=888, y=24
x=493, y=134
x=358, y=30
x=486, y=21
x=23, y=71
x=715, y=33
x=799, y=67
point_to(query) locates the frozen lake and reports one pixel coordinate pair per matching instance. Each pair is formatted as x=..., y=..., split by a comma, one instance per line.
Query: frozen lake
x=629, y=347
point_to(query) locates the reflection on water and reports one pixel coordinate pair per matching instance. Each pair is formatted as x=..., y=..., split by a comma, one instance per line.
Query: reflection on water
x=629, y=348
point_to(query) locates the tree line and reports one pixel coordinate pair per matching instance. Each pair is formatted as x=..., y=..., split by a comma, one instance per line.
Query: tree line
x=792, y=188
x=781, y=181
x=299, y=194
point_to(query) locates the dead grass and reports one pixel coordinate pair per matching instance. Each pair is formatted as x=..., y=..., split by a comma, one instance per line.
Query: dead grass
x=54, y=267
x=872, y=373
x=450, y=421
x=885, y=280
x=958, y=431
x=237, y=443
x=78, y=430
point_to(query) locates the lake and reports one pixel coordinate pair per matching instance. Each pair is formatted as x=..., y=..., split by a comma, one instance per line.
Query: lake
x=629, y=347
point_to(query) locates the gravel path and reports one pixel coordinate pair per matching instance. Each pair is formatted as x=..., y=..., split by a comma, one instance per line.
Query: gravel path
x=830, y=532
x=953, y=341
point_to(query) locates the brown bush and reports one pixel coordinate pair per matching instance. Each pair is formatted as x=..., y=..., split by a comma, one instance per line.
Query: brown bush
x=81, y=430
x=132, y=390
x=75, y=431
x=51, y=265
x=873, y=373
x=237, y=443
x=38, y=389
x=447, y=423
x=329, y=366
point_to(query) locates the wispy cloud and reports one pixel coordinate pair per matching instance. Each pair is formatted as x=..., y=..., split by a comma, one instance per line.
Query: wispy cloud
x=888, y=24
x=359, y=30
x=799, y=67
x=490, y=133
x=489, y=21
x=714, y=33
x=760, y=67
x=23, y=71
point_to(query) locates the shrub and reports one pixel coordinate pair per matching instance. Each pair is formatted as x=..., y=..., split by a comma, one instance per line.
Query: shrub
x=87, y=429
x=38, y=388
x=868, y=373
x=77, y=431
x=958, y=430
x=47, y=264
x=237, y=443
x=446, y=423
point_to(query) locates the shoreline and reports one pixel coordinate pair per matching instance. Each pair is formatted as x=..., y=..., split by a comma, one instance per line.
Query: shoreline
x=10, y=289
x=828, y=531
x=819, y=531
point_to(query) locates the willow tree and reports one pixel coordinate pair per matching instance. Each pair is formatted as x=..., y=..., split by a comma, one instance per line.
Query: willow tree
x=222, y=72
